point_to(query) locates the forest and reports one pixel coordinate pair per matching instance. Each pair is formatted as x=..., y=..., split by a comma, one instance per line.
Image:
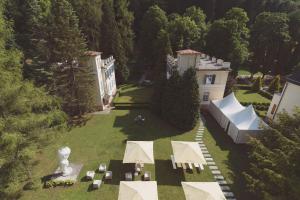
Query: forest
x=42, y=89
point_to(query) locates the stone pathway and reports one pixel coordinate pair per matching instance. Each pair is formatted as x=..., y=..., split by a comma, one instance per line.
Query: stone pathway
x=212, y=165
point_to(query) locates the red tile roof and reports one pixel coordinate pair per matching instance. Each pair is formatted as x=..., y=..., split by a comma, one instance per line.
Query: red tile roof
x=188, y=52
x=92, y=53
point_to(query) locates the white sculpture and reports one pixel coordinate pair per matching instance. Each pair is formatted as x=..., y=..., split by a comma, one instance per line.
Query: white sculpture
x=63, y=155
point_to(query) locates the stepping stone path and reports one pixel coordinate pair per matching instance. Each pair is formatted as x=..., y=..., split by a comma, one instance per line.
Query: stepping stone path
x=211, y=164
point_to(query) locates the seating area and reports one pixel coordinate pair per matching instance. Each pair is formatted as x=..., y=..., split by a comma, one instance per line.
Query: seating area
x=100, y=146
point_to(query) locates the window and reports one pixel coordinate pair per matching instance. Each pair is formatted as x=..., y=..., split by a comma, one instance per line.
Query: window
x=210, y=79
x=273, y=109
x=206, y=96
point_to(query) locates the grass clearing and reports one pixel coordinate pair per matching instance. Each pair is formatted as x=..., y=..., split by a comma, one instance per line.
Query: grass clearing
x=249, y=96
x=131, y=93
x=102, y=140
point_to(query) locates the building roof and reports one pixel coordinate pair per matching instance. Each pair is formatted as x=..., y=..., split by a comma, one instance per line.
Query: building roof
x=92, y=53
x=188, y=52
x=294, y=78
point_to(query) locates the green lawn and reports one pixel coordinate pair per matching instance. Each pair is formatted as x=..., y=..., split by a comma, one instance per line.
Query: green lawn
x=102, y=140
x=249, y=96
x=131, y=93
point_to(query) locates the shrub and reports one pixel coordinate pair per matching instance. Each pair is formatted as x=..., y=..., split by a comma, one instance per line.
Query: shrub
x=265, y=94
x=274, y=85
x=257, y=85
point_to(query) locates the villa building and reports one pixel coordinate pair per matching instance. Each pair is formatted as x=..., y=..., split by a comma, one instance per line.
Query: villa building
x=212, y=73
x=288, y=99
x=104, y=71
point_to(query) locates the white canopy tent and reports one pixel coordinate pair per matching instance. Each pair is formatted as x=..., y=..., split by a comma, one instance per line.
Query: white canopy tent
x=202, y=190
x=139, y=152
x=221, y=109
x=240, y=122
x=244, y=124
x=138, y=190
x=187, y=152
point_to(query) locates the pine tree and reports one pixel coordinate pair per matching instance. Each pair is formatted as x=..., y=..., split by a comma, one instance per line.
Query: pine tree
x=112, y=41
x=190, y=100
x=275, y=84
x=257, y=85
x=275, y=160
x=28, y=117
x=66, y=46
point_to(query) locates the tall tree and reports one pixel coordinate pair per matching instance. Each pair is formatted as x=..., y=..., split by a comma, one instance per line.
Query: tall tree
x=275, y=161
x=294, y=29
x=112, y=41
x=153, y=22
x=89, y=13
x=270, y=42
x=28, y=116
x=227, y=38
x=124, y=19
x=190, y=100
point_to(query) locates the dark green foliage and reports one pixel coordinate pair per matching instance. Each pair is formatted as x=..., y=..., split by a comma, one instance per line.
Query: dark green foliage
x=275, y=158
x=153, y=22
x=270, y=43
x=180, y=100
x=257, y=85
x=112, y=41
x=227, y=38
x=275, y=84
x=158, y=93
x=190, y=100
x=89, y=13
x=29, y=118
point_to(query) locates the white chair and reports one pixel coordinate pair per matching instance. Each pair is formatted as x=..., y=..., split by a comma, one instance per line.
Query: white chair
x=108, y=175
x=102, y=167
x=97, y=184
x=173, y=162
x=90, y=175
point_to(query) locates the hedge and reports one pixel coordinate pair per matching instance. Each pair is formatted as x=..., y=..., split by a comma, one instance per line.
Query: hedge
x=265, y=94
x=243, y=86
x=257, y=106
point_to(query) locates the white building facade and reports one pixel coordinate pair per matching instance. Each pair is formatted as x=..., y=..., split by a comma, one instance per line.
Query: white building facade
x=288, y=99
x=104, y=71
x=212, y=73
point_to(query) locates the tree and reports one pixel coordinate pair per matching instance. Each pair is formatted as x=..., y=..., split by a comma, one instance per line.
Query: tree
x=28, y=118
x=257, y=85
x=153, y=22
x=112, y=41
x=171, y=106
x=89, y=12
x=184, y=33
x=125, y=19
x=275, y=85
x=294, y=29
x=190, y=100
x=66, y=46
x=275, y=160
x=270, y=42
x=227, y=38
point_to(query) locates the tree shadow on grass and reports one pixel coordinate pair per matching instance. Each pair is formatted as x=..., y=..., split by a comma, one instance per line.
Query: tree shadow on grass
x=166, y=175
x=151, y=129
x=237, y=162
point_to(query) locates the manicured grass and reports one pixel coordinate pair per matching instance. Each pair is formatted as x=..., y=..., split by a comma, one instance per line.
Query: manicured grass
x=249, y=96
x=131, y=93
x=246, y=72
x=102, y=139
x=229, y=157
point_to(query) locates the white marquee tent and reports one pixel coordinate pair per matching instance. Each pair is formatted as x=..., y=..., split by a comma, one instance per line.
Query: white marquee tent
x=202, y=190
x=139, y=152
x=187, y=152
x=238, y=121
x=221, y=109
x=138, y=190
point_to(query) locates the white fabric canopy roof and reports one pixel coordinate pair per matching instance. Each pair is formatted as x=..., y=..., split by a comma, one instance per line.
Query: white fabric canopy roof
x=229, y=105
x=202, y=190
x=187, y=152
x=246, y=119
x=138, y=190
x=139, y=152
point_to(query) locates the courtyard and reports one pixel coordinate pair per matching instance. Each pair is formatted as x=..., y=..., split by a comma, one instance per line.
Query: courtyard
x=103, y=140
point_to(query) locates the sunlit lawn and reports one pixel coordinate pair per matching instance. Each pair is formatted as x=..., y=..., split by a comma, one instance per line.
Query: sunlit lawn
x=249, y=96
x=102, y=139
